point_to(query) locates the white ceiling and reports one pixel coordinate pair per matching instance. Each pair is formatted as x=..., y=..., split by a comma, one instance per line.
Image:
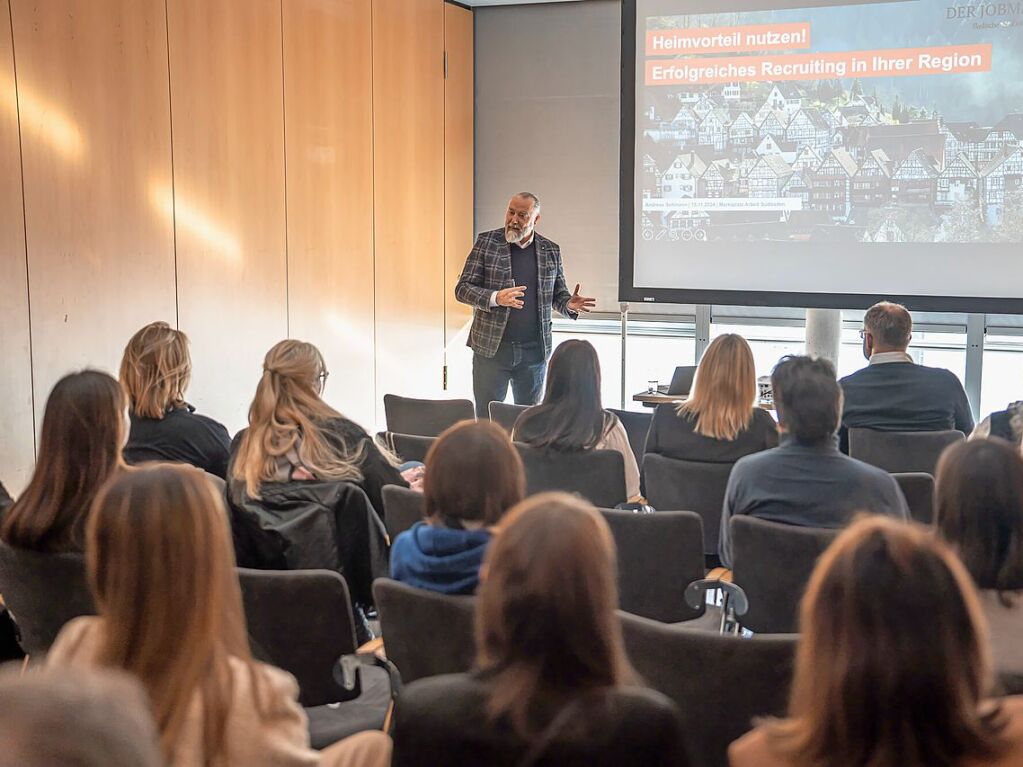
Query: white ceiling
x=481, y=3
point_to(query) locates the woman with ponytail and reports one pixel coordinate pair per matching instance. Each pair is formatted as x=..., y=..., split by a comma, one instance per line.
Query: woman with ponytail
x=294, y=435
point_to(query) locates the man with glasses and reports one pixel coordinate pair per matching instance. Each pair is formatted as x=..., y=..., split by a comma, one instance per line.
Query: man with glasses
x=513, y=278
x=893, y=393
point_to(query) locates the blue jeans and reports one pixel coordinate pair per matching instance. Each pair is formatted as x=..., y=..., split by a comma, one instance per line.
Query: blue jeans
x=521, y=364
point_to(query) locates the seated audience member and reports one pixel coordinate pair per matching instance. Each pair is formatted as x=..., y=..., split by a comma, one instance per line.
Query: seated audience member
x=893, y=393
x=79, y=449
x=570, y=417
x=553, y=685
x=155, y=372
x=892, y=668
x=1005, y=424
x=720, y=422
x=161, y=570
x=806, y=480
x=473, y=476
x=294, y=435
x=979, y=511
x=77, y=718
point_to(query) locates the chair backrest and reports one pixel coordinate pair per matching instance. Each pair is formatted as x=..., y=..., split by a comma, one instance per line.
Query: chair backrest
x=403, y=507
x=720, y=682
x=658, y=556
x=505, y=414
x=677, y=485
x=772, y=562
x=596, y=475
x=637, y=425
x=301, y=621
x=425, y=633
x=408, y=447
x=901, y=451
x=425, y=417
x=918, y=490
x=43, y=592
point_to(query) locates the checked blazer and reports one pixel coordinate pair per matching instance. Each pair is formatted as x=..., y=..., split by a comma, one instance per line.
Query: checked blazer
x=488, y=268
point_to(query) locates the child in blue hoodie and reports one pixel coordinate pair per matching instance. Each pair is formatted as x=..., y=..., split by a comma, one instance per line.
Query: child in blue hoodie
x=473, y=476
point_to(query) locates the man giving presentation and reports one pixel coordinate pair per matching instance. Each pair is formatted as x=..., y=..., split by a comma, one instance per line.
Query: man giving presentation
x=512, y=279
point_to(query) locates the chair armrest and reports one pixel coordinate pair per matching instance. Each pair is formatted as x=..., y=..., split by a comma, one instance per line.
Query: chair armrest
x=696, y=594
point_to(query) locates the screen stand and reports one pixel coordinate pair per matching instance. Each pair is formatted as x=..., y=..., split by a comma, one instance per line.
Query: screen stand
x=824, y=333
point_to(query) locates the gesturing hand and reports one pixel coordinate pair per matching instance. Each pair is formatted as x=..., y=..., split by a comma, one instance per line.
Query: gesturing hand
x=579, y=303
x=511, y=296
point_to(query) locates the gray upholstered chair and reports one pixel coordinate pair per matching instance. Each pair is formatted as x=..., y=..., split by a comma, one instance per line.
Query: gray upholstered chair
x=403, y=507
x=720, y=683
x=43, y=592
x=918, y=490
x=901, y=451
x=301, y=621
x=425, y=633
x=504, y=414
x=408, y=447
x=658, y=556
x=596, y=475
x=772, y=563
x=637, y=425
x=677, y=485
x=425, y=417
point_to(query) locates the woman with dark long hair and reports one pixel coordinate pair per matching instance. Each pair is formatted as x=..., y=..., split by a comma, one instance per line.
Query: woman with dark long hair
x=571, y=416
x=553, y=685
x=79, y=449
x=892, y=668
x=162, y=572
x=979, y=512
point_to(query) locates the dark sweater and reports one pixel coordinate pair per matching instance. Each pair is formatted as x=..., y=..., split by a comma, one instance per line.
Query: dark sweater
x=808, y=485
x=675, y=436
x=181, y=436
x=524, y=324
x=439, y=558
x=903, y=396
x=443, y=720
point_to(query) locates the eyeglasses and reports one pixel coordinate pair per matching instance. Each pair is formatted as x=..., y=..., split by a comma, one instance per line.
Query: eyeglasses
x=863, y=334
x=322, y=379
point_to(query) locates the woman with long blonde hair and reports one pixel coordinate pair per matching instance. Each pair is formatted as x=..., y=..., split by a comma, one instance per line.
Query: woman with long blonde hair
x=553, y=685
x=79, y=449
x=293, y=434
x=161, y=570
x=155, y=372
x=720, y=422
x=893, y=668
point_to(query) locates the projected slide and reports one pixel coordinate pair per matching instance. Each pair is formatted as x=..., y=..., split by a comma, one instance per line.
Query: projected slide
x=880, y=124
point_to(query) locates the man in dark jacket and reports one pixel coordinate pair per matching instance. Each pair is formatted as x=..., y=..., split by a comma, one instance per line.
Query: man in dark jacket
x=893, y=393
x=513, y=278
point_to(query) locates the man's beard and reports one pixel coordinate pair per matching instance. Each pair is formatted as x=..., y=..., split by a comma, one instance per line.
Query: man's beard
x=513, y=236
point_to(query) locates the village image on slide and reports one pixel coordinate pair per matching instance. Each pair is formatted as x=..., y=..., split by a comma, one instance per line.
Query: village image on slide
x=825, y=151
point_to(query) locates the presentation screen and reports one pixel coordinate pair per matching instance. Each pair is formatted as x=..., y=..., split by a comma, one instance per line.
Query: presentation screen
x=823, y=156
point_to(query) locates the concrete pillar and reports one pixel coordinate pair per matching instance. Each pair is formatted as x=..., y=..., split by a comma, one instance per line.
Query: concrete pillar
x=824, y=333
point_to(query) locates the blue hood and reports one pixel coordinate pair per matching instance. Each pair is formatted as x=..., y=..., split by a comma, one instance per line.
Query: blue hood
x=439, y=558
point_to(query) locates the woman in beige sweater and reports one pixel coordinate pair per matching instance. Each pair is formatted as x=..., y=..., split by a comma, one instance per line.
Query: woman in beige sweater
x=892, y=668
x=161, y=568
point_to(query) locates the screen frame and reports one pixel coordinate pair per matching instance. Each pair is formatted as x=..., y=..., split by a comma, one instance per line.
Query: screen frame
x=629, y=292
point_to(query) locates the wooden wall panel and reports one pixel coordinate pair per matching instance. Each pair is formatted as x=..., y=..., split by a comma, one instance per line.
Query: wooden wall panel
x=328, y=86
x=16, y=421
x=458, y=183
x=408, y=114
x=228, y=131
x=95, y=130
